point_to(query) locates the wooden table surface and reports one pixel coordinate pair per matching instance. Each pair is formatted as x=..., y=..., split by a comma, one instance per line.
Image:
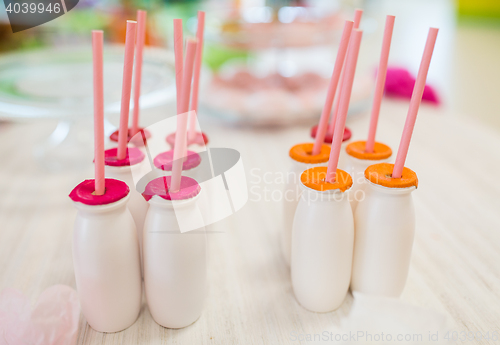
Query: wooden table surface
x=454, y=269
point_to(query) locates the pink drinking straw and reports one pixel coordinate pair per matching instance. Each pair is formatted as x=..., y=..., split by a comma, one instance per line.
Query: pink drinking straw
x=128, y=67
x=345, y=96
x=416, y=98
x=357, y=20
x=182, y=118
x=358, y=13
x=178, y=51
x=196, y=76
x=332, y=87
x=97, y=38
x=379, y=86
x=141, y=37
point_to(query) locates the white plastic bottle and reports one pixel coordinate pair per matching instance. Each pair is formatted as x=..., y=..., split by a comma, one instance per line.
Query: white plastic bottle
x=301, y=160
x=127, y=171
x=106, y=257
x=356, y=162
x=322, y=242
x=385, y=228
x=175, y=263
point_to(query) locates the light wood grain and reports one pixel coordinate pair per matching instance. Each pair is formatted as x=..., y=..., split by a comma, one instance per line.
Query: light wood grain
x=455, y=265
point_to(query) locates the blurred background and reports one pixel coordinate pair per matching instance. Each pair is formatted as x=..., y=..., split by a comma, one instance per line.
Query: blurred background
x=266, y=63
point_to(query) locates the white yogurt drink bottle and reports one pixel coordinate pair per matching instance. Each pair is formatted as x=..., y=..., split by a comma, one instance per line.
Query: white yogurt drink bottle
x=322, y=241
x=175, y=263
x=301, y=159
x=106, y=256
x=385, y=228
x=125, y=170
x=356, y=162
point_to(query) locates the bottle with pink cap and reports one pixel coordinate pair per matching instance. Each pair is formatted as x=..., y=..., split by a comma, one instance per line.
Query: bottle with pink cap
x=106, y=254
x=196, y=139
x=124, y=163
x=175, y=263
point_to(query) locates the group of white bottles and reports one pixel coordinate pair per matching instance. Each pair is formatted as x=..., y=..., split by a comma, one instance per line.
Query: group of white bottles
x=118, y=241
x=357, y=232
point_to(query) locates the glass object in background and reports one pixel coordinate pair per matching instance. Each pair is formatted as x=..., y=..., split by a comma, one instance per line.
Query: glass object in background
x=57, y=83
x=271, y=65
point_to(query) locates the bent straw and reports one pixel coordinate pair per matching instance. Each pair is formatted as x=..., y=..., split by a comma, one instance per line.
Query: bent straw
x=128, y=67
x=357, y=20
x=196, y=76
x=332, y=88
x=416, y=98
x=178, y=51
x=182, y=118
x=345, y=96
x=97, y=38
x=141, y=36
x=379, y=87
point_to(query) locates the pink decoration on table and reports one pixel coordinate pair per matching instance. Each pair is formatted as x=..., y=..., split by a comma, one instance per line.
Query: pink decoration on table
x=84, y=192
x=379, y=87
x=331, y=128
x=329, y=136
x=345, y=96
x=416, y=98
x=161, y=187
x=180, y=148
x=141, y=37
x=164, y=160
x=200, y=139
x=128, y=66
x=52, y=321
x=332, y=88
x=132, y=156
x=400, y=83
x=196, y=75
x=97, y=43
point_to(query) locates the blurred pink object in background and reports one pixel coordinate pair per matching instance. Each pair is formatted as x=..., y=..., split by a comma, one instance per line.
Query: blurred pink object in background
x=52, y=321
x=399, y=83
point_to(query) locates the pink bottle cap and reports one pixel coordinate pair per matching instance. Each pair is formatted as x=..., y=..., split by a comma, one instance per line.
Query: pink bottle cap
x=200, y=139
x=165, y=160
x=115, y=190
x=159, y=186
x=329, y=135
x=133, y=156
x=137, y=140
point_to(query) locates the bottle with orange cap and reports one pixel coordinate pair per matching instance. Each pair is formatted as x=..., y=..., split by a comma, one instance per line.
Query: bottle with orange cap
x=357, y=160
x=385, y=227
x=322, y=241
x=301, y=159
x=385, y=220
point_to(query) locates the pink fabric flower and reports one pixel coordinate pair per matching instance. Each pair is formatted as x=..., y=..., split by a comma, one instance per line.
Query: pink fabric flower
x=52, y=321
x=399, y=83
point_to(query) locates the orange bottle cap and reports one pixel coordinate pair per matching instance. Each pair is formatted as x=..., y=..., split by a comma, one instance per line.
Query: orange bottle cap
x=303, y=153
x=315, y=178
x=381, y=174
x=357, y=150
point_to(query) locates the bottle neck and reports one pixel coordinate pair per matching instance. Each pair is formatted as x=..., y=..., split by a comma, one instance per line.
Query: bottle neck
x=102, y=209
x=376, y=188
